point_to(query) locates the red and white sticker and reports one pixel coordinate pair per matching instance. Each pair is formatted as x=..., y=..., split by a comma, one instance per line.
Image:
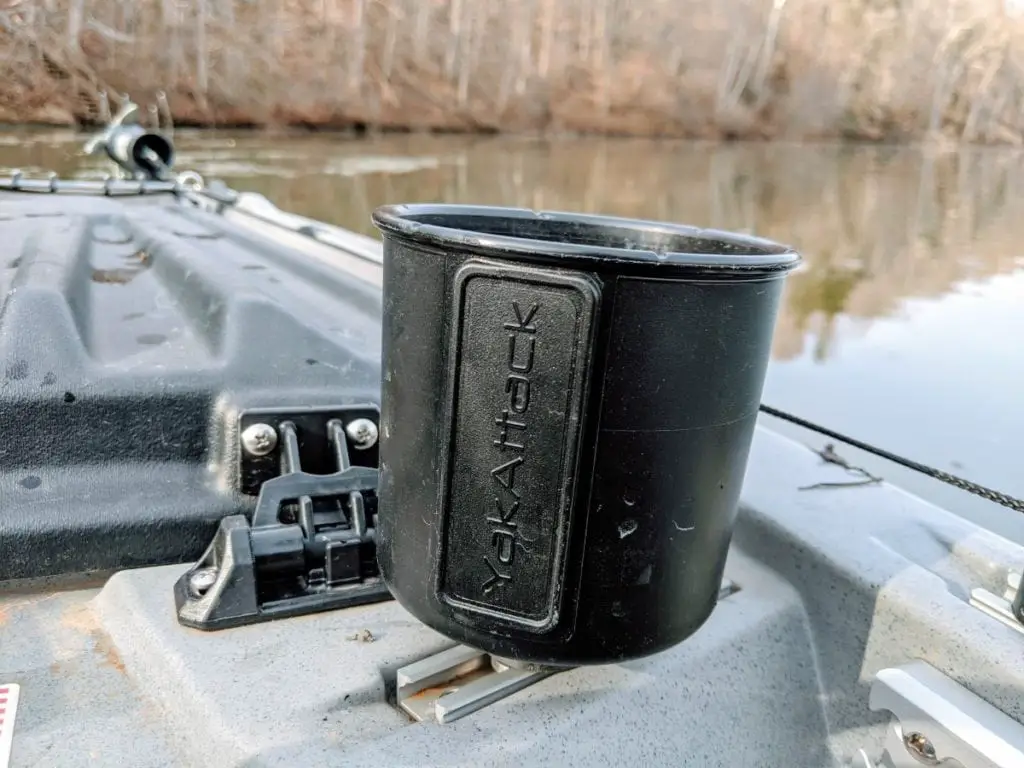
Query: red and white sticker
x=8, y=709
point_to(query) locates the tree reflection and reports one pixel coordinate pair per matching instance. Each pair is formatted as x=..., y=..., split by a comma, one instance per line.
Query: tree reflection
x=877, y=225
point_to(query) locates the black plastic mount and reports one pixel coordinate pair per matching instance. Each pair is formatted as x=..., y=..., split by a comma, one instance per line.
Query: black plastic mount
x=311, y=546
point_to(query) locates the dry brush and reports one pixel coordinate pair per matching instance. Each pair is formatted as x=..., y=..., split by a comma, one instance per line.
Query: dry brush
x=869, y=69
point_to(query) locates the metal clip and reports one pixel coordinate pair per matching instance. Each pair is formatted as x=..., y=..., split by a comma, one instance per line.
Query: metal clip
x=939, y=722
x=1001, y=607
x=461, y=680
x=458, y=682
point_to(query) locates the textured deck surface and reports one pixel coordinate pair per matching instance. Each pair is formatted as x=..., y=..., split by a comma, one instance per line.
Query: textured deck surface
x=834, y=585
x=130, y=332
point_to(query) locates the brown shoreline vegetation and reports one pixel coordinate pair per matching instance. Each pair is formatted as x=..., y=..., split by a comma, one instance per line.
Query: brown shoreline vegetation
x=876, y=70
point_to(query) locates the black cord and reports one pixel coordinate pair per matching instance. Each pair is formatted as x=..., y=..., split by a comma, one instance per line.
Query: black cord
x=957, y=482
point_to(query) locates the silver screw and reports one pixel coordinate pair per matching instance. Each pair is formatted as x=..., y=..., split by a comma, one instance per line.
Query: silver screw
x=920, y=748
x=200, y=581
x=362, y=433
x=259, y=439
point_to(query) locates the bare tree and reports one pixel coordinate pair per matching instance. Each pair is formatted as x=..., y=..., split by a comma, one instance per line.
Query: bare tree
x=864, y=68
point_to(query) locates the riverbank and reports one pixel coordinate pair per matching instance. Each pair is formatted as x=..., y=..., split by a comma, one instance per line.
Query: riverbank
x=796, y=69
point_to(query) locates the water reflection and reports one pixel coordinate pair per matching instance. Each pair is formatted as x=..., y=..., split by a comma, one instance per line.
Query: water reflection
x=877, y=225
x=902, y=328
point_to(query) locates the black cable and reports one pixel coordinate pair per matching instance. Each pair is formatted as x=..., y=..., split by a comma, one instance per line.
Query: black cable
x=957, y=482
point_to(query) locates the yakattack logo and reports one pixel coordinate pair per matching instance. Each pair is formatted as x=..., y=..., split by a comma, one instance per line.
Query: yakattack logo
x=510, y=444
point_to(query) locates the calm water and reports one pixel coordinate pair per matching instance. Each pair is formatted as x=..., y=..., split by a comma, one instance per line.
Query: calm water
x=905, y=328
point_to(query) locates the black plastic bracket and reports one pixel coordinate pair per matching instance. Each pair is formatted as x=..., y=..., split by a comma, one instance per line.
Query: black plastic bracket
x=316, y=452
x=311, y=545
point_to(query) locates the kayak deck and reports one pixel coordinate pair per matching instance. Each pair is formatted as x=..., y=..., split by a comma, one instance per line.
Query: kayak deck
x=835, y=590
x=832, y=586
x=131, y=330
